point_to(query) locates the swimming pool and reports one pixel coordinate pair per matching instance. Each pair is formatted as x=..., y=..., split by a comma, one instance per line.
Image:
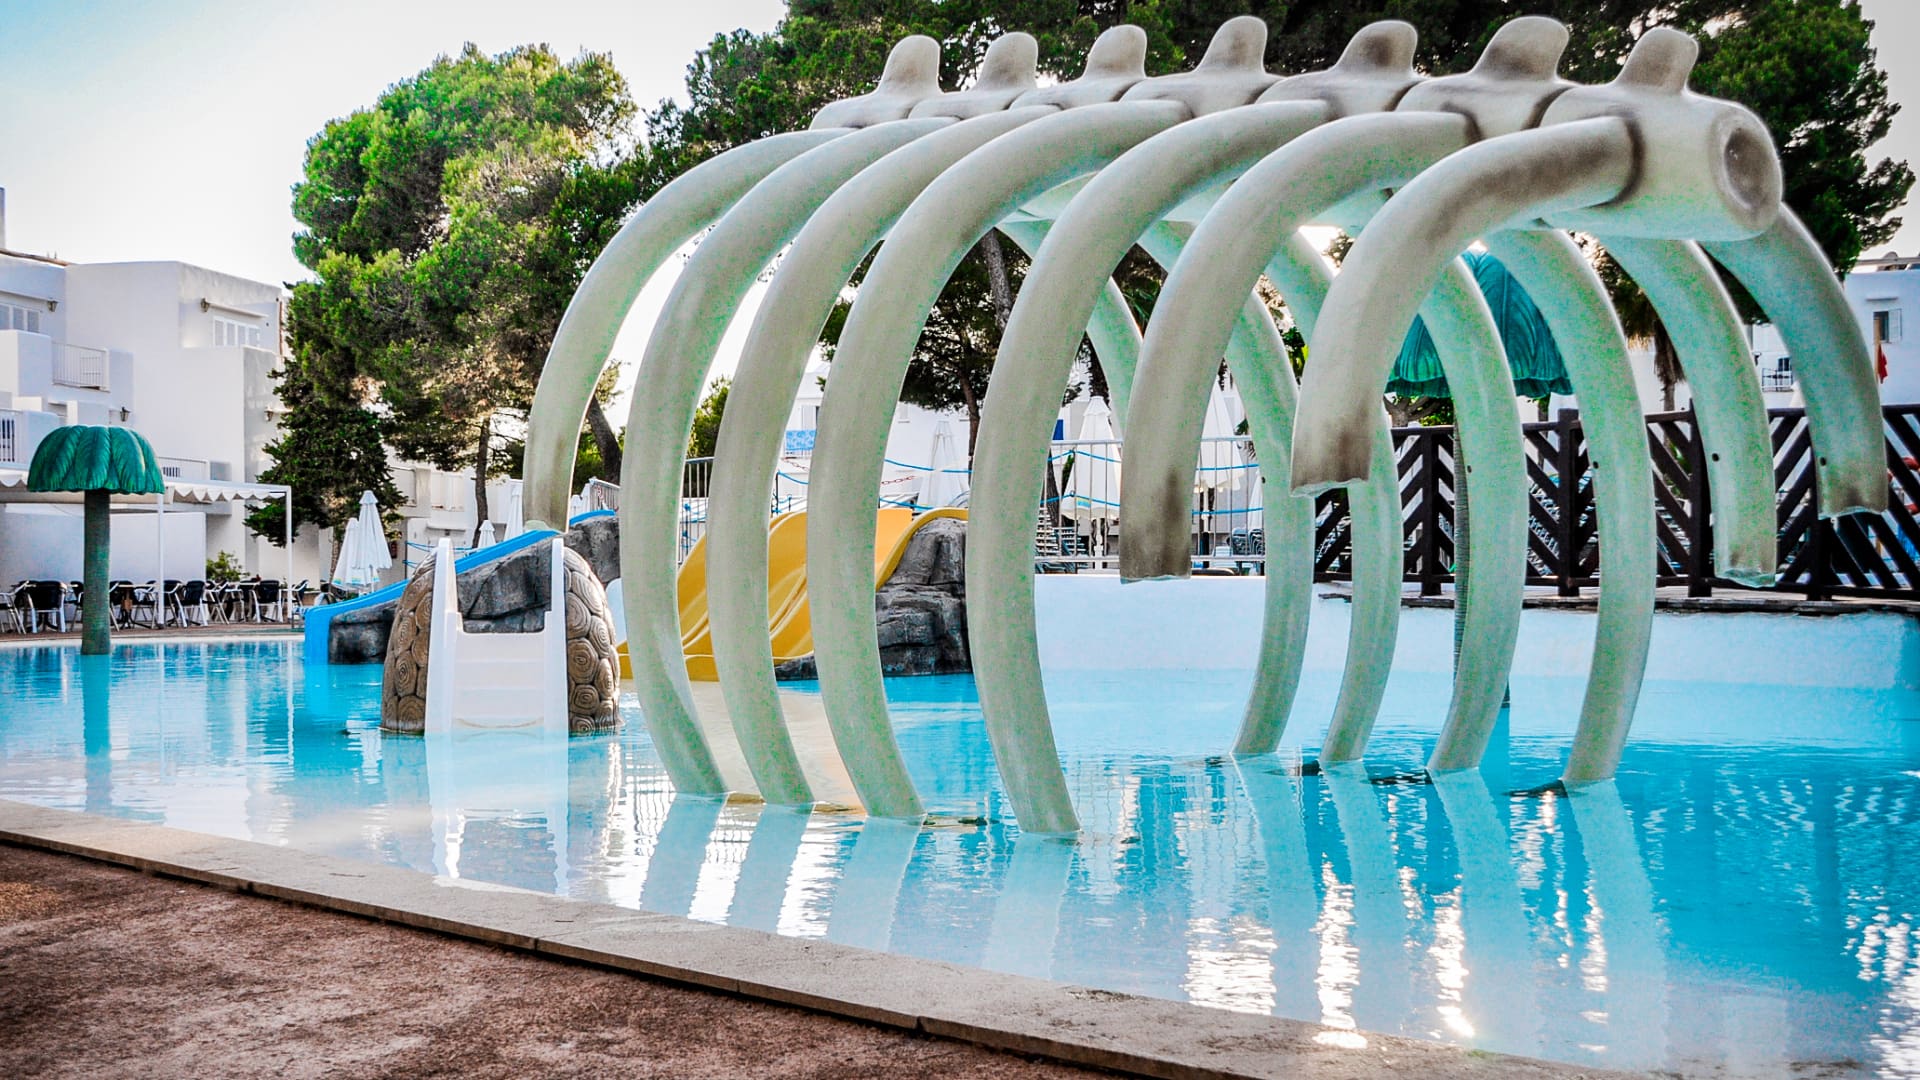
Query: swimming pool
x=1742, y=899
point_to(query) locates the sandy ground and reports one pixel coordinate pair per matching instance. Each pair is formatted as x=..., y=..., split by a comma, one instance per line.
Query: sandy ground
x=108, y=972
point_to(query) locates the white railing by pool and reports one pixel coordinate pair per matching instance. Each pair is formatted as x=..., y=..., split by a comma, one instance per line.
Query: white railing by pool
x=1079, y=520
x=79, y=365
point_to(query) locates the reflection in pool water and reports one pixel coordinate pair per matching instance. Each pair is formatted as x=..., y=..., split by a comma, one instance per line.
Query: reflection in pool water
x=1742, y=898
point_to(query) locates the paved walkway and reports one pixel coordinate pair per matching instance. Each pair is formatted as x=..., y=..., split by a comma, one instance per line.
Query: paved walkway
x=109, y=972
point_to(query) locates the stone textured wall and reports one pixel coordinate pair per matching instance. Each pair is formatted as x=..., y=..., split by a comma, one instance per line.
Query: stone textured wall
x=507, y=589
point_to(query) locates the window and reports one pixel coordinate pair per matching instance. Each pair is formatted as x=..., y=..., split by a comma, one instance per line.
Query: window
x=1886, y=325
x=229, y=332
x=17, y=317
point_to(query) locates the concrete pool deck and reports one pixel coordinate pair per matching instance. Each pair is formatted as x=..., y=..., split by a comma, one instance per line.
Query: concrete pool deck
x=1067, y=1024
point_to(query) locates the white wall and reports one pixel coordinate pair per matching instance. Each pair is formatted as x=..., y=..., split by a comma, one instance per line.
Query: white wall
x=47, y=541
x=1897, y=292
x=1093, y=622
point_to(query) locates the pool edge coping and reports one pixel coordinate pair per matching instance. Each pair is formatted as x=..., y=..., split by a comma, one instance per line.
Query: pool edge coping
x=1058, y=1021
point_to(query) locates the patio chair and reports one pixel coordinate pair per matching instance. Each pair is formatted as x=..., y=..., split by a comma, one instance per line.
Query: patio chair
x=185, y=601
x=151, y=599
x=120, y=597
x=297, y=598
x=10, y=603
x=269, y=600
x=76, y=595
x=46, y=605
x=1247, y=542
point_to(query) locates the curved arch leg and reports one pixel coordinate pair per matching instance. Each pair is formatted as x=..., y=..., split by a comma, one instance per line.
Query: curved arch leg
x=1376, y=532
x=1259, y=363
x=1254, y=225
x=1787, y=272
x=869, y=366
x=1574, y=301
x=1094, y=233
x=585, y=338
x=665, y=393
x=1421, y=230
x=1467, y=195
x=796, y=307
x=1488, y=426
x=1705, y=327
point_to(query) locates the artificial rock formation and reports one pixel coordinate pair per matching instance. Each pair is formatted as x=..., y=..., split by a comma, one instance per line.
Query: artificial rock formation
x=921, y=610
x=515, y=590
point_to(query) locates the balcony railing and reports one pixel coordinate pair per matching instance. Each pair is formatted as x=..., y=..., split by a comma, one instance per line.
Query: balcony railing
x=174, y=468
x=79, y=365
x=10, y=435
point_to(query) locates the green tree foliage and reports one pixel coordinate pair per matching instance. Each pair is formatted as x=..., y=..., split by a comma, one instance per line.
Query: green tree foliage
x=706, y=420
x=329, y=451
x=1804, y=66
x=1807, y=68
x=447, y=227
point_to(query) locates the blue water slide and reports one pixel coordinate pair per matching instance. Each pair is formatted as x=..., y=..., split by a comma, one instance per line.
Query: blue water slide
x=320, y=619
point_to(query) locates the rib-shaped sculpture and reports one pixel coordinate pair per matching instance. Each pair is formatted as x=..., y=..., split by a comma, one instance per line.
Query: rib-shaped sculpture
x=1639, y=157
x=1116, y=209
x=871, y=362
x=796, y=307
x=1213, y=171
x=665, y=394
x=1308, y=180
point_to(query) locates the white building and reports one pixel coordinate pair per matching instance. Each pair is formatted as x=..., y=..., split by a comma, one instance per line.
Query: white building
x=185, y=356
x=1882, y=291
x=182, y=354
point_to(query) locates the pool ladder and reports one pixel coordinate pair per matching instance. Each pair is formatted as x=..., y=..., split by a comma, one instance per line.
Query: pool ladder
x=498, y=680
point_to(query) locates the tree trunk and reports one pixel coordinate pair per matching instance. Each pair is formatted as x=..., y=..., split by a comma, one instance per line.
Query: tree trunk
x=973, y=413
x=997, y=281
x=604, y=438
x=96, y=628
x=1666, y=366
x=482, y=462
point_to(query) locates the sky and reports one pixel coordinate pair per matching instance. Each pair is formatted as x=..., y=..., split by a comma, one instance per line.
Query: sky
x=176, y=129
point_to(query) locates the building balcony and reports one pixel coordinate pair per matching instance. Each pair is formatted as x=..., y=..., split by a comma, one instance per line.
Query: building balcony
x=80, y=366
x=37, y=366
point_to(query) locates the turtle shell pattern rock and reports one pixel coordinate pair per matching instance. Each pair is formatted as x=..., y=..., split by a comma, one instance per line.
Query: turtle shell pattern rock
x=593, y=665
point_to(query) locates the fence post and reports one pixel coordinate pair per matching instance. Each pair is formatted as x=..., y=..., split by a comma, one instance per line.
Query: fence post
x=1699, y=512
x=1567, y=503
x=1819, y=534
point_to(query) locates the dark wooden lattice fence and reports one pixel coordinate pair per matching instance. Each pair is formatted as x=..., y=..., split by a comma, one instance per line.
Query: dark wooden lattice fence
x=1872, y=555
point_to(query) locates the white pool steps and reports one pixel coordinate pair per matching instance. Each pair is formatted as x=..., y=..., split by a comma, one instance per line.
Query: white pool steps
x=500, y=680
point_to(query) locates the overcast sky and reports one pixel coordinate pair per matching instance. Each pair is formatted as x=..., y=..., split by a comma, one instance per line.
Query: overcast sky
x=174, y=130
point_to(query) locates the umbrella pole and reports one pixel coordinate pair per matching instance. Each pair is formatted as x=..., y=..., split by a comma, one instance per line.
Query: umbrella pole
x=96, y=634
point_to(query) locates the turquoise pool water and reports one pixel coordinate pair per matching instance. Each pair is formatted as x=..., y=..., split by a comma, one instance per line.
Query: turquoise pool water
x=1743, y=901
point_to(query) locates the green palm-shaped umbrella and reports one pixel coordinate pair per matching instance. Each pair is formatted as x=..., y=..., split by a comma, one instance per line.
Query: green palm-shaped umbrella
x=1532, y=356
x=101, y=462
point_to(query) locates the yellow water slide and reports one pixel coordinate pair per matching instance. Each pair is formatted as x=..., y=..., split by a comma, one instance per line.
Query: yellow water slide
x=789, y=619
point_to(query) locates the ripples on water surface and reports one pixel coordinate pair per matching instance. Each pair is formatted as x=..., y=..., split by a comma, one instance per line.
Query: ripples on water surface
x=1742, y=901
